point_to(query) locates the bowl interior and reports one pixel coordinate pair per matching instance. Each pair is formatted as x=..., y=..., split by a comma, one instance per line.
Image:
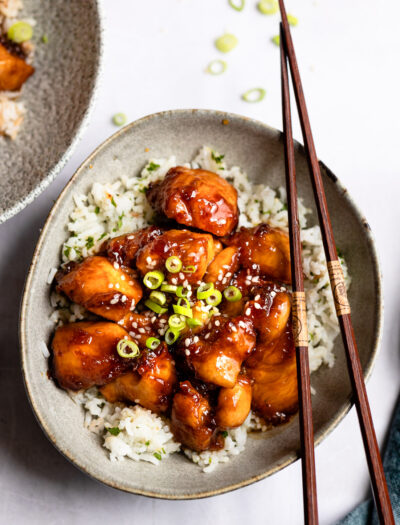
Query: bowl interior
x=259, y=150
x=57, y=98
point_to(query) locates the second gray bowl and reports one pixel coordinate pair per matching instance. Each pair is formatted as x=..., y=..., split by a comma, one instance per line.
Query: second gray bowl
x=259, y=150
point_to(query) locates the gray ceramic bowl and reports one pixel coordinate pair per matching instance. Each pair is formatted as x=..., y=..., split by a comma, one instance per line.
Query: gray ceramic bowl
x=259, y=149
x=58, y=98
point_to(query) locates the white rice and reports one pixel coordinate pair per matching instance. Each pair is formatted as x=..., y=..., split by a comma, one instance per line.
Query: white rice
x=12, y=111
x=121, y=207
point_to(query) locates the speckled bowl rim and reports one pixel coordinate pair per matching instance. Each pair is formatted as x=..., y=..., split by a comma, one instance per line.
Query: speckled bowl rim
x=22, y=333
x=84, y=123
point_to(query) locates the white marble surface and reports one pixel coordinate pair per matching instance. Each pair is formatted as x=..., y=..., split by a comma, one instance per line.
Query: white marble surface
x=155, y=53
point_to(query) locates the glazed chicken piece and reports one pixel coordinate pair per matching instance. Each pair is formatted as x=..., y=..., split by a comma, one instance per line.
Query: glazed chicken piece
x=217, y=352
x=222, y=268
x=234, y=404
x=195, y=251
x=269, y=311
x=197, y=198
x=245, y=280
x=151, y=384
x=85, y=354
x=272, y=367
x=123, y=249
x=264, y=249
x=14, y=71
x=191, y=418
x=100, y=286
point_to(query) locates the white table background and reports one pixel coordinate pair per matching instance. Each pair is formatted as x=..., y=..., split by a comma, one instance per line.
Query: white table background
x=155, y=55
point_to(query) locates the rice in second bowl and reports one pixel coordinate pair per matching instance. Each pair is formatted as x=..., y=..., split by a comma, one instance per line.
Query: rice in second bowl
x=121, y=207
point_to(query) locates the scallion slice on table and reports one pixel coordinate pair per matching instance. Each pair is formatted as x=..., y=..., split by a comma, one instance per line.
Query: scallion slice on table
x=173, y=264
x=127, y=349
x=119, y=119
x=158, y=309
x=268, y=7
x=153, y=279
x=254, y=95
x=238, y=5
x=214, y=298
x=276, y=40
x=20, y=32
x=216, y=67
x=152, y=343
x=232, y=294
x=293, y=20
x=226, y=43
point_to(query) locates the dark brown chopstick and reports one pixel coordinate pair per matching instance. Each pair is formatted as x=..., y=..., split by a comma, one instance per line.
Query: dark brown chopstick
x=299, y=316
x=378, y=481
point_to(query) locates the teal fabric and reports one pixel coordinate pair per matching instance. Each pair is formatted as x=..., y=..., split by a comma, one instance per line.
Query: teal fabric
x=365, y=513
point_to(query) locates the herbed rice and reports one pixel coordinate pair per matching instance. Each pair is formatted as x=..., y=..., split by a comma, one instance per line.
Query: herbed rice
x=12, y=110
x=121, y=207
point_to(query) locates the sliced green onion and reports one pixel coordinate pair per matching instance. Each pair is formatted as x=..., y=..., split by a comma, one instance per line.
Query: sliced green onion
x=171, y=335
x=170, y=288
x=181, y=292
x=119, y=119
x=276, y=40
x=20, y=32
x=226, y=43
x=176, y=322
x=215, y=298
x=205, y=290
x=183, y=310
x=238, y=5
x=124, y=345
x=232, y=294
x=158, y=297
x=268, y=7
x=216, y=67
x=293, y=20
x=155, y=307
x=173, y=264
x=153, y=279
x=193, y=323
x=189, y=269
x=152, y=343
x=254, y=95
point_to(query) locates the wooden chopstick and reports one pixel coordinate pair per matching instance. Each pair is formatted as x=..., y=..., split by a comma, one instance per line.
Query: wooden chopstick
x=378, y=481
x=299, y=316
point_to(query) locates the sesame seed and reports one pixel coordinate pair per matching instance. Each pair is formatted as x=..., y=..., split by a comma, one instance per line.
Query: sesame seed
x=217, y=323
x=257, y=306
x=124, y=298
x=130, y=237
x=207, y=335
x=149, y=260
x=132, y=334
x=111, y=285
x=248, y=311
x=141, y=331
x=195, y=339
x=228, y=274
x=257, y=297
x=116, y=265
x=187, y=352
x=134, y=324
x=131, y=283
x=117, y=285
x=233, y=328
x=181, y=275
x=187, y=342
x=174, y=280
x=122, y=277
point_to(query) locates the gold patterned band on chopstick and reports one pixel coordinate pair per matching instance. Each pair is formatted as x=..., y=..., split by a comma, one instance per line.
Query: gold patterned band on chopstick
x=338, y=288
x=299, y=319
